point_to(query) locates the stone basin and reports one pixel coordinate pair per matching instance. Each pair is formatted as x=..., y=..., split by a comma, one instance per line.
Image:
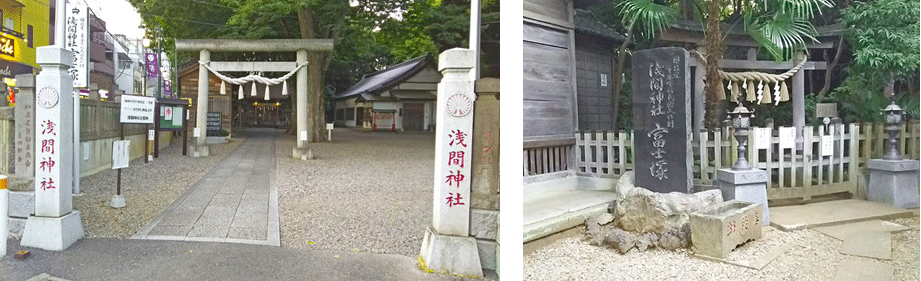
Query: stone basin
x=717, y=230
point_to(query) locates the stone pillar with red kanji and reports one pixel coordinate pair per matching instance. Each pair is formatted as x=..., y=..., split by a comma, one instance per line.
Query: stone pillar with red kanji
x=54, y=225
x=447, y=244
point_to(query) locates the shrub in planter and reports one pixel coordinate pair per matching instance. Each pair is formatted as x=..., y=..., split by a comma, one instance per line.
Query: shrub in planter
x=221, y=133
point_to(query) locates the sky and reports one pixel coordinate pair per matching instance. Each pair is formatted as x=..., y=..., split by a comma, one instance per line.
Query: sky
x=120, y=17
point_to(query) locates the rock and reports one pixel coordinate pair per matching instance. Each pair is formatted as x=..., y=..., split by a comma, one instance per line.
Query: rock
x=592, y=228
x=645, y=241
x=640, y=210
x=619, y=239
x=605, y=218
x=675, y=238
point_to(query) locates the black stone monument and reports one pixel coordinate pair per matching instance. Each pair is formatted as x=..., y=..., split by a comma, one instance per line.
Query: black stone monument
x=662, y=120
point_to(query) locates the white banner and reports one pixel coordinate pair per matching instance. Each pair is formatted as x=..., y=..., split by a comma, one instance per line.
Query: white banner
x=76, y=34
x=120, y=151
x=137, y=109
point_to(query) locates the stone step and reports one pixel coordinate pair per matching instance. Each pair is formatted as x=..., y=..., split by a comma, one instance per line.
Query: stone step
x=837, y=212
x=562, y=210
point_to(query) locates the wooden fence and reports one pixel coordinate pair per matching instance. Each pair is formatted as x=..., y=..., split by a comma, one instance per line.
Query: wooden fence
x=814, y=165
x=547, y=156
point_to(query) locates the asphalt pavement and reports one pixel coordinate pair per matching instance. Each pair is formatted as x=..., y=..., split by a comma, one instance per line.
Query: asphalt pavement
x=132, y=259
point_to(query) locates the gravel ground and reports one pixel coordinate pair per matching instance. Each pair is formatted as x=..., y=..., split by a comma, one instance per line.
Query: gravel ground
x=814, y=257
x=367, y=192
x=147, y=188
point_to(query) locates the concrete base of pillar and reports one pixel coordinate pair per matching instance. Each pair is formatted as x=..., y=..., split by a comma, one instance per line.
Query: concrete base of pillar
x=199, y=150
x=302, y=153
x=117, y=201
x=454, y=254
x=746, y=186
x=498, y=268
x=894, y=182
x=53, y=234
x=15, y=225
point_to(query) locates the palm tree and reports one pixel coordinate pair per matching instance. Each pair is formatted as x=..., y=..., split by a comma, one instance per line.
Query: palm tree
x=780, y=26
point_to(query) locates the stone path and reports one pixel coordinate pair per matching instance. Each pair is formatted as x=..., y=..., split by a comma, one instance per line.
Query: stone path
x=236, y=202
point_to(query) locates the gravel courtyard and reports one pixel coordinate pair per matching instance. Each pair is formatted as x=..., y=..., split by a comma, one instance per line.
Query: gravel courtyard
x=147, y=188
x=814, y=256
x=367, y=191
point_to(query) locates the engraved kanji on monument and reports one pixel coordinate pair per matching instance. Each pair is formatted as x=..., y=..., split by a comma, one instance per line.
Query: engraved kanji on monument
x=661, y=119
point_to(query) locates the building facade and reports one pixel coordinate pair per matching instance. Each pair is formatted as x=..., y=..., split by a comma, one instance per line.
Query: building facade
x=24, y=26
x=400, y=97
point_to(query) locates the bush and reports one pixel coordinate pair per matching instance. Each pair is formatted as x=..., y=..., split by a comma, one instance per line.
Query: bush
x=221, y=133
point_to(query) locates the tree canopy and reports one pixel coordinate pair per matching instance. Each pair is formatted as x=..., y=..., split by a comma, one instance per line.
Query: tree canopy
x=368, y=34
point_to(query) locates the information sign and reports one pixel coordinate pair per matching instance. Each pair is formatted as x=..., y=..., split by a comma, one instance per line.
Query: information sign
x=120, y=156
x=137, y=109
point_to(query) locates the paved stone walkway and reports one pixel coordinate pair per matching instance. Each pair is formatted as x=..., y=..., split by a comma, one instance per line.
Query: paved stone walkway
x=236, y=202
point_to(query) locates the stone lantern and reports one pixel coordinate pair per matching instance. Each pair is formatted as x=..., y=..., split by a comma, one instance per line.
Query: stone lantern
x=894, y=180
x=742, y=182
x=894, y=117
x=741, y=121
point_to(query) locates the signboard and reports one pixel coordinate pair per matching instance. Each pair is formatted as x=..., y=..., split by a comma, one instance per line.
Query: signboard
x=7, y=46
x=762, y=138
x=77, y=41
x=171, y=118
x=828, y=145
x=383, y=120
x=137, y=109
x=214, y=122
x=826, y=110
x=787, y=137
x=120, y=156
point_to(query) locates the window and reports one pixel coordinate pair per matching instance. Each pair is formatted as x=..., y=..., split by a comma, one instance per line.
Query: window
x=350, y=114
x=29, y=34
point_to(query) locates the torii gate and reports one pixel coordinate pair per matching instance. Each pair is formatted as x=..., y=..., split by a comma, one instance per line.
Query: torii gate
x=206, y=46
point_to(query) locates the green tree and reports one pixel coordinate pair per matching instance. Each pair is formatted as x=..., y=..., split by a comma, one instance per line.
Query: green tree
x=883, y=36
x=780, y=26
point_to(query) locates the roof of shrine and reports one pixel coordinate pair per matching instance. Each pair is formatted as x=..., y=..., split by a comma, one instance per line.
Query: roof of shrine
x=586, y=22
x=384, y=79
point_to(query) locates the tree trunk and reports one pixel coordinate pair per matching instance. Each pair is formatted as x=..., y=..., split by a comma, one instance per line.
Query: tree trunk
x=889, y=89
x=713, y=39
x=616, y=77
x=314, y=79
x=829, y=70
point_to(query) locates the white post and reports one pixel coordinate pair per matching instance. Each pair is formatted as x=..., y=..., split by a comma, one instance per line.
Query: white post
x=447, y=244
x=201, y=149
x=799, y=101
x=475, y=37
x=300, y=151
x=77, y=146
x=54, y=225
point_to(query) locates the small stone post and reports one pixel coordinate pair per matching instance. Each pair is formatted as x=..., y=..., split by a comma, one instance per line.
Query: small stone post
x=54, y=225
x=484, y=212
x=447, y=245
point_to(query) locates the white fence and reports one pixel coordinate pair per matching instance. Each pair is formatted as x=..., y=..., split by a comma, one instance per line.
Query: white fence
x=814, y=165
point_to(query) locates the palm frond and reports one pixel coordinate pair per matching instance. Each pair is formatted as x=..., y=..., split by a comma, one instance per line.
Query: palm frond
x=648, y=16
x=799, y=8
x=781, y=34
